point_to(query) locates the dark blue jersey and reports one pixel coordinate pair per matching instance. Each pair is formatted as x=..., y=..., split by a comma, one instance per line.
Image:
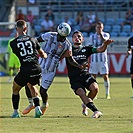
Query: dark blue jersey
x=81, y=55
x=25, y=48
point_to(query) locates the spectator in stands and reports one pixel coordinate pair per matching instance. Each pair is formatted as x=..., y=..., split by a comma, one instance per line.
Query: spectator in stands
x=86, y=26
x=30, y=17
x=50, y=14
x=47, y=25
x=128, y=18
x=92, y=17
x=20, y=15
x=79, y=17
x=67, y=20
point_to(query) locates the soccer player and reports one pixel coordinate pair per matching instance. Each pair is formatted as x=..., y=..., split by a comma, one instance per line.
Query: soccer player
x=56, y=44
x=130, y=51
x=80, y=79
x=99, y=62
x=13, y=62
x=26, y=49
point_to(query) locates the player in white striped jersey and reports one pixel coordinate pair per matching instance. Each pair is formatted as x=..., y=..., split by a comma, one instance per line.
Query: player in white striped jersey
x=55, y=46
x=99, y=61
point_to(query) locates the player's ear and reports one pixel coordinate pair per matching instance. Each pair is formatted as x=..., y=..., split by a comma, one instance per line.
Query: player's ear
x=25, y=28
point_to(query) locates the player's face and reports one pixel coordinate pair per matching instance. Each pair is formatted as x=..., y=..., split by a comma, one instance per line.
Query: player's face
x=77, y=39
x=99, y=28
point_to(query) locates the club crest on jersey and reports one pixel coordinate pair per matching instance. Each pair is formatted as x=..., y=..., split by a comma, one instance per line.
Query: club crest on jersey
x=83, y=50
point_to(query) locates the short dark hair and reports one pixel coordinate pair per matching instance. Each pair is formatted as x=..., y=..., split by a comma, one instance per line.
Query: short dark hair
x=20, y=24
x=76, y=31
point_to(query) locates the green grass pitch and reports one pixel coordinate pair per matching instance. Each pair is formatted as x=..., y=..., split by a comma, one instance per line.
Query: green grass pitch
x=64, y=112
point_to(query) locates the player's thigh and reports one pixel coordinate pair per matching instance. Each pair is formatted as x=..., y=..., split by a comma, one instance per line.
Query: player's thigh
x=104, y=68
x=21, y=79
x=94, y=69
x=47, y=79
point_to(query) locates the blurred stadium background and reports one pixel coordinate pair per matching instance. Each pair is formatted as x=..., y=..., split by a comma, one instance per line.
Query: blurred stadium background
x=111, y=12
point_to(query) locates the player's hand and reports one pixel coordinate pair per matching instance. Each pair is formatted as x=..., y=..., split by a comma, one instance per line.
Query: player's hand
x=109, y=41
x=128, y=53
x=84, y=65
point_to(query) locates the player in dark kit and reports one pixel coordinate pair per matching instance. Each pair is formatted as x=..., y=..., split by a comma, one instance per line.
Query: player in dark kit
x=130, y=51
x=26, y=49
x=80, y=78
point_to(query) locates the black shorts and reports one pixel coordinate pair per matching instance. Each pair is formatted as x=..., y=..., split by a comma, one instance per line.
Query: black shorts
x=31, y=76
x=82, y=81
x=131, y=67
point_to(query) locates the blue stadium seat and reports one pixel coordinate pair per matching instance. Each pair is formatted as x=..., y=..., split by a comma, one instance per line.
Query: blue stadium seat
x=113, y=34
x=127, y=28
x=110, y=21
x=116, y=28
x=119, y=21
x=107, y=28
x=123, y=34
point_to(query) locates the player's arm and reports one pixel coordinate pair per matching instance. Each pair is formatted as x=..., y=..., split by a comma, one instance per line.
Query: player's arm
x=104, y=46
x=129, y=51
x=42, y=53
x=40, y=39
x=72, y=61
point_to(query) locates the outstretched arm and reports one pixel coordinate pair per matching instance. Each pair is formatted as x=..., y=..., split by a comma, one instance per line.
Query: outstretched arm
x=104, y=46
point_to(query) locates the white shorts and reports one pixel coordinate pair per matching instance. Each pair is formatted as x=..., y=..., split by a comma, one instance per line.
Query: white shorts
x=99, y=67
x=47, y=79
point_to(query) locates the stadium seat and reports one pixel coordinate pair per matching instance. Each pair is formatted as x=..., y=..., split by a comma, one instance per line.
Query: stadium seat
x=116, y=28
x=110, y=21
x=107, y=28
x=113, y=34
x=123, y=34
x=37, y=28
x=119, y=21
x=126, y=28
x=76, y=27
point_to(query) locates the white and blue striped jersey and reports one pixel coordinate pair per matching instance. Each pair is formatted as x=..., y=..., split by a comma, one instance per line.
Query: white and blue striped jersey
x=97, y=41
x=54, y=50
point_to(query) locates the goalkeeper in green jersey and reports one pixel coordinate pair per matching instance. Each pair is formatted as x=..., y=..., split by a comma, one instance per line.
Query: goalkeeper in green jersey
x=13, y=61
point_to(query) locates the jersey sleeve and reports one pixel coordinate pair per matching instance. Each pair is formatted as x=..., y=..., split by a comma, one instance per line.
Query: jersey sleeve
x=69, y=45
x=45, y=36
x=130, y=42
x=36, y=43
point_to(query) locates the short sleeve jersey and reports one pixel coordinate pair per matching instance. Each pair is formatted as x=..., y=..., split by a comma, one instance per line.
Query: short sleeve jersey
x=81, y=55
x=54, y=50
x=130, y=45
x=96, y=41
x=25, y=48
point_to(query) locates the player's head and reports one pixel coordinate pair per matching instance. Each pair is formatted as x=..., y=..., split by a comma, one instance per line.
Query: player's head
x=99, y=27
x=21, y=26
x=63, y=30
x=77, y=38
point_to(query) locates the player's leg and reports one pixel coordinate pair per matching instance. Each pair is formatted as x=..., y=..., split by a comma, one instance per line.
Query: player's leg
x=88, y=102
x=47, y=79
x=36, y=101
x=31, y=104
x=15, y=99
x=104, y=70
x=107, y=85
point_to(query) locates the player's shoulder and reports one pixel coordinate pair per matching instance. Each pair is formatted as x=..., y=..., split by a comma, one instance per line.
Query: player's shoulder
x=130, y=38
x=12, y=41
